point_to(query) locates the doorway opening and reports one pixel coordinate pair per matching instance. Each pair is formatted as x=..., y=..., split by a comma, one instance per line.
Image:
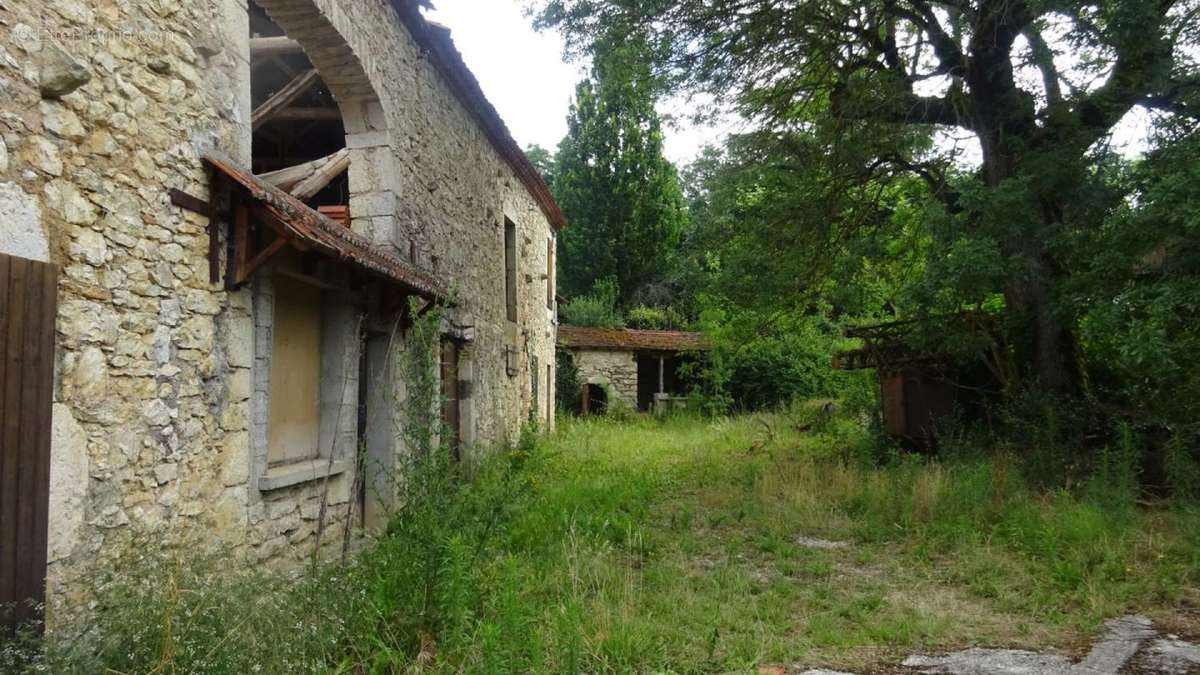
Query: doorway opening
x=595, y=399
x=658, y=373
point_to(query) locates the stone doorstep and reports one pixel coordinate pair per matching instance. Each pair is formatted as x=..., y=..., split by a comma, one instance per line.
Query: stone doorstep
x=287, y=475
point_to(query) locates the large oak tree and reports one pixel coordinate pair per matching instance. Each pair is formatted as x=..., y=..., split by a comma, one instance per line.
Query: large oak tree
x=1036, y=83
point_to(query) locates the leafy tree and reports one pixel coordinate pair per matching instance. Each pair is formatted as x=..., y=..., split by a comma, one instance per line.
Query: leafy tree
x=1036, y=86
x=767, y=194
x=1137, y=289
x=619, y=193
x=543, y=160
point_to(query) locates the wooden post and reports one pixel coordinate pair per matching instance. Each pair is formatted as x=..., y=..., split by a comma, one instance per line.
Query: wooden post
x=662, y=383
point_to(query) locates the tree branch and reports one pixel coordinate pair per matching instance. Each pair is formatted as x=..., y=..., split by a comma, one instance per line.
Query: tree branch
x=1174, y=99
x=949, y=55
x=1043, y=58
x=906, y=108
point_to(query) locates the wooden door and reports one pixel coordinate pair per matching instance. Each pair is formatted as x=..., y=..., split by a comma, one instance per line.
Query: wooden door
x=451, y=419
x=28, y=301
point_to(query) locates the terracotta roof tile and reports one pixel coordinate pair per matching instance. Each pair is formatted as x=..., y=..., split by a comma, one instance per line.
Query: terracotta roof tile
x=325, y=235
x=630, y=339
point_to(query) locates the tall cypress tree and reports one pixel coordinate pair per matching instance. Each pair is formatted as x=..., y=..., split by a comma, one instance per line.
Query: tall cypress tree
x=620, y=195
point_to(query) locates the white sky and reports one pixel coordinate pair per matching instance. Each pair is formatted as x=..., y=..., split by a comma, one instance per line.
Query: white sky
x=523, y=75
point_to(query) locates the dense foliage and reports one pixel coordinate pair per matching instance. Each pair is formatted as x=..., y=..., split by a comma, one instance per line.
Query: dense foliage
x=871, y=82
x=611, y=547
x=915, y=160
x=621, y=197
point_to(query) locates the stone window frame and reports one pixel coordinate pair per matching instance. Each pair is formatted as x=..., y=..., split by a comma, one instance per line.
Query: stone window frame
x=337, y=428
x=512, y=269
x=551, y=271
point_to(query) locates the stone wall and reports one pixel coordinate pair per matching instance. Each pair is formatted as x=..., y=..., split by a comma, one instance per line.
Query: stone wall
x=616, y=370
x=107, y=104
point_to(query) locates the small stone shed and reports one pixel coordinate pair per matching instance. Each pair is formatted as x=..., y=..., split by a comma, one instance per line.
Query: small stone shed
x=639, y=368
x=217, y=216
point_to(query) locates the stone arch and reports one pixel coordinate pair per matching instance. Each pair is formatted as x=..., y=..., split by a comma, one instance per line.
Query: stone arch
x=313, y=25
x=595, y=398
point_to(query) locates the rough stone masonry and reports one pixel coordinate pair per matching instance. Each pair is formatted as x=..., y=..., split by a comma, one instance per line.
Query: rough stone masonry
x=161, y=377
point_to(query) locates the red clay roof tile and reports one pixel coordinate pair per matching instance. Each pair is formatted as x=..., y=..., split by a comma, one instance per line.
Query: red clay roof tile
x=630, y=339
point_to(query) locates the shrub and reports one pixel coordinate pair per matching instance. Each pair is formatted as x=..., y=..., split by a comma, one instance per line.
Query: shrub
x=655, y=318
x=597, y=309
x=762, y=365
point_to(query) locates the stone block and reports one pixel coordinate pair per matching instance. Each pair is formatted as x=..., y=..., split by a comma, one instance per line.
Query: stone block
x=21, y=232
x=239, y=341
x=235, y=459
x=43, y=155
x=61, y=121
x=240, y=383
x=60, y=74
x=68, y=482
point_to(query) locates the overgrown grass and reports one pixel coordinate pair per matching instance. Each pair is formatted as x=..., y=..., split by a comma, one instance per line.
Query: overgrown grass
x=674, y=546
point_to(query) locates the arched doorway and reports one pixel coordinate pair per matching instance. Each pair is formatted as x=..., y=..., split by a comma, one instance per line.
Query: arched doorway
x=595, y=399
x=320, y=131
x=320, y=134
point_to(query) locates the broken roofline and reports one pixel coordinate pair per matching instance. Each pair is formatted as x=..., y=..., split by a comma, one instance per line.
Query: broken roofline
x=437, y=43
x=304, y=226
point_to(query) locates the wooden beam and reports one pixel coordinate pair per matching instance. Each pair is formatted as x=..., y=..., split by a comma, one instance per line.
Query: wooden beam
x=185, y=201
x=284, y=97
x=219, y=189
x=263, y=47
x=263, y=256
x=268, y=219
x=308, y=115
x=286, y=179
x=324, y=175
x=241, y=244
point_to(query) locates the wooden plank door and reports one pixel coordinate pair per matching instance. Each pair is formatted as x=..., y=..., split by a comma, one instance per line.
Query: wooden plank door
x=451, y=419
x=28, y=301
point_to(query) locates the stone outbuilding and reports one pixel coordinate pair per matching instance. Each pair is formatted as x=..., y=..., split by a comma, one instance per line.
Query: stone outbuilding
x=640, y=369
x=218, y=216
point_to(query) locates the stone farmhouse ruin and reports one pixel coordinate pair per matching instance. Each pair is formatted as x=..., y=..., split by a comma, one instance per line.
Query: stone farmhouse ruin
x=638, y=369
x=217, y=213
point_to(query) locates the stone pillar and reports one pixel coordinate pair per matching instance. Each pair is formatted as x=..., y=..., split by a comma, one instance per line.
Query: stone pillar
x=372, y=173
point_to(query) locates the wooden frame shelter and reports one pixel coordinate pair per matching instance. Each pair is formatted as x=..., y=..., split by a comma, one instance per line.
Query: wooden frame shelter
x=262, y=220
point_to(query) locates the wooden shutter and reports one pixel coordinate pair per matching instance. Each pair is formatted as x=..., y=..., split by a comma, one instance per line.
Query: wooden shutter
x=28, y=301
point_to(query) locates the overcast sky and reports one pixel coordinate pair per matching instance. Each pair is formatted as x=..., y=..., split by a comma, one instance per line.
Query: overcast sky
x=523, y=74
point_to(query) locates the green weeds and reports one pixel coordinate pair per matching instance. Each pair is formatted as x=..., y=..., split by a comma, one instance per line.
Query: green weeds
x=674, y=546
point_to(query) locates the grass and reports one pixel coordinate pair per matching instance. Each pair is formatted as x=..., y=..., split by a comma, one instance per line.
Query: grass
x=672, y=546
